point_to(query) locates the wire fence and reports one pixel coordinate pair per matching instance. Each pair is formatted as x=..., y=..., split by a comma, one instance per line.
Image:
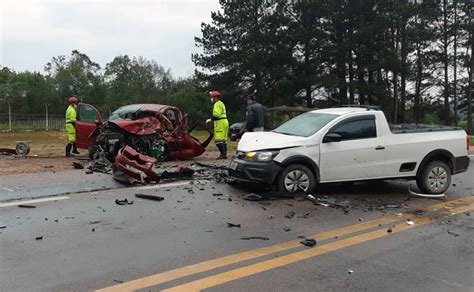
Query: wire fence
x=24, y=122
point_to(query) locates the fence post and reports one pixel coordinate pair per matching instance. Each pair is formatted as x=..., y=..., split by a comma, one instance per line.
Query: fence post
x=47, y=118
x=9, y=116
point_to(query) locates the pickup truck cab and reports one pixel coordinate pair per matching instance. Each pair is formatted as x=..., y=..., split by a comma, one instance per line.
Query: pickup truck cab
x=350, y=144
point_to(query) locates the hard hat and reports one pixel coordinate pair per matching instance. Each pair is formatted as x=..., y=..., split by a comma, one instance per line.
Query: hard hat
x=73, y=99
x=214, y=94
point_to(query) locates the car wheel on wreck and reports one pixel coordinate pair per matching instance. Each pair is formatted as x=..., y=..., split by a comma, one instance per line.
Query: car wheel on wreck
x=296, y=178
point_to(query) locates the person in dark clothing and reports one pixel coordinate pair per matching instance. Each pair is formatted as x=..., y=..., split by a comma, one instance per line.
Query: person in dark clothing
x=255, y=115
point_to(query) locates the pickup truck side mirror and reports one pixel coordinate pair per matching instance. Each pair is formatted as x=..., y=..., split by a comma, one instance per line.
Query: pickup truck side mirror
x=332, y=137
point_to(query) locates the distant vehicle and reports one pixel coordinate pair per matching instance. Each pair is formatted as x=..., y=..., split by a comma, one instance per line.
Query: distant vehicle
x=154, y=130
x=351, y=144
x=236, y=130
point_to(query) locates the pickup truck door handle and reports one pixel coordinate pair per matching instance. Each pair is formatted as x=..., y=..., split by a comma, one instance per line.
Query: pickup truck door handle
x=380, y=147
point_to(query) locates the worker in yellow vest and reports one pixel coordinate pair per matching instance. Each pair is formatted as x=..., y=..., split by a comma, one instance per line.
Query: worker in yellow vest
x=221, y=124
x=71, y=116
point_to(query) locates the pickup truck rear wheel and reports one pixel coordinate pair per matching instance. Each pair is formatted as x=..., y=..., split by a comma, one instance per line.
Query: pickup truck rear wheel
x=435, y=178
x=296, y=178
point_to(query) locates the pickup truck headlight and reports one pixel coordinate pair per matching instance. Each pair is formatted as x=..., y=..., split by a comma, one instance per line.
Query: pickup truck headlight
x=261, y=156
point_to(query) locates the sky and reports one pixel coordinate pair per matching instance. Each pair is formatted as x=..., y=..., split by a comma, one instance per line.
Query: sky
x=32, y=32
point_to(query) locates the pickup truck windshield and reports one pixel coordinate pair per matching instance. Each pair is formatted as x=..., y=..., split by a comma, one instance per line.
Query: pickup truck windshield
x=305, y=125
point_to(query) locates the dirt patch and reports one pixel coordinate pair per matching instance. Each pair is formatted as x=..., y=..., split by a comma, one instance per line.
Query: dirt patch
x=11, y=165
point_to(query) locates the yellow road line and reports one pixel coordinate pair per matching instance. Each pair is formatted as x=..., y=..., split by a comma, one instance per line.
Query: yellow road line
x=243, y=256
x=260, y=252
x=242, y=272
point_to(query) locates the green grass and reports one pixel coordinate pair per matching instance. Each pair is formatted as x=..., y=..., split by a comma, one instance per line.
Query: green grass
x=51, y=143
x=42, y=143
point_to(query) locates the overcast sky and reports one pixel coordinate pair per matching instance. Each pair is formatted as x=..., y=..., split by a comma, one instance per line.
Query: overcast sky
x=32, y=32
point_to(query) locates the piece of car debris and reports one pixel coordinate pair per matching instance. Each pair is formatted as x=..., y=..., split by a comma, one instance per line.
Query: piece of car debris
x=123, y=202
x=409, y=222
x=349, y=271
x=3, y=226
x=254, y=237
x=39, y=237
x=118, y=281
x=308, y=242
x=217, y=194
x=27, y=206
x=452, y=233
x=389, y=230
x=233, y=225
x=253, y=197
x=290, y=214
x=77, y=165
x=149, y=197
x=286, y=229
x=95, y=222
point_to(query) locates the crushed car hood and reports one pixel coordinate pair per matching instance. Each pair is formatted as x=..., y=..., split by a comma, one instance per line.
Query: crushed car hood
x=144, y=126
x=254, y=141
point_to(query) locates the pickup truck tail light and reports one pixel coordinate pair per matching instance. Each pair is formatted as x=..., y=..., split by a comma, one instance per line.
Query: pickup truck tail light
x=468, y=142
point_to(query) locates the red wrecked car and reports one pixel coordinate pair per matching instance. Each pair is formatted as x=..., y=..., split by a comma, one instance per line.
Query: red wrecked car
x=155, y=130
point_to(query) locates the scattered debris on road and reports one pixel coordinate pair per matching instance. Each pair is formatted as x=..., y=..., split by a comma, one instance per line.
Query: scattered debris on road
x=77, y=165
x=425, y=195
x=286, y=229
x=349, y=271
x=95, y=222
x=21, y=149
x=308, y=242
x=390, y=230
x=26, y=206
x=149, y=197
x=39, y=237
x=123, y=202
x=233, y=225
x=409, y=222
x=290, y=214
x=3, y=226
x=254, y=237
x=453, y=233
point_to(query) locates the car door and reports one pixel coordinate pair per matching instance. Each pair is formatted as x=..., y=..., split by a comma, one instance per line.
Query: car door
x=87, y=119
x=360, y=154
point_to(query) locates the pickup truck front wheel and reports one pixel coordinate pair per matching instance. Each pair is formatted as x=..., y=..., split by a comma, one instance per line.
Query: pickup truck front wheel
x=296, y=178
x=435, y=178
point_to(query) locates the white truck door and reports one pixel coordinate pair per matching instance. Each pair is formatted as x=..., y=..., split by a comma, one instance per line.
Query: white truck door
x=359, y=153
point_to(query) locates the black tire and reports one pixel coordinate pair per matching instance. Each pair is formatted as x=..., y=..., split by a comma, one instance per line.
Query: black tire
x=435, y=178
x=296, y=178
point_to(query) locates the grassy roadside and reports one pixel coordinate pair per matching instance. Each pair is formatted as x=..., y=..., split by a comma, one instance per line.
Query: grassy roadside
x=51, y=143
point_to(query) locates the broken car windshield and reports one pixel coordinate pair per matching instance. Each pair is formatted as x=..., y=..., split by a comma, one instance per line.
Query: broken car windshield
x=305, y=125
x=124, y=113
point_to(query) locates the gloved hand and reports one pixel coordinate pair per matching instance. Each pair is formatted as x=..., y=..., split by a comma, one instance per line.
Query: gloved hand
x=208, y=121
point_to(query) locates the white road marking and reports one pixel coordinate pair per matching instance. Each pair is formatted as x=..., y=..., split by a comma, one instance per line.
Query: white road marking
x=160, y=186
x=33, y=201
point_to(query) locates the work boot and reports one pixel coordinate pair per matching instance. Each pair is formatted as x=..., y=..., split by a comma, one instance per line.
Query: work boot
x=68, y=149
x=221, y=148
x=74, y=149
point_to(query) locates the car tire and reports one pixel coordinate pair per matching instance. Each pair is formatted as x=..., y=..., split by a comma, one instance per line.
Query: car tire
x=296, y=178
x=435, y=178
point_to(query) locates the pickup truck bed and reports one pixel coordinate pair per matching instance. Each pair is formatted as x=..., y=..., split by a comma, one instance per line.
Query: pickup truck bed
x=420, y=128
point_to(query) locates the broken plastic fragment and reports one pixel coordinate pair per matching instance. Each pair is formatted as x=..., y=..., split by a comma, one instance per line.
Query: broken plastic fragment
x=254, y=237
x=233, y=225
x=123, y=202
x=409, y=222
x=149, y=197
x=308, y=242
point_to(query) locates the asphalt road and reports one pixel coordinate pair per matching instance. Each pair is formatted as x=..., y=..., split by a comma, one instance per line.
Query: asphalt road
x=85, y=241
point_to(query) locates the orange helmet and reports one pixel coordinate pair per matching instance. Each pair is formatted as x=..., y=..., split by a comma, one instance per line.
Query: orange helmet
x=73, y=99
x=214, y=93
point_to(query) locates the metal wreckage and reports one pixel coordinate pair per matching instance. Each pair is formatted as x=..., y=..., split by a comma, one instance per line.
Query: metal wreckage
x=135, y=138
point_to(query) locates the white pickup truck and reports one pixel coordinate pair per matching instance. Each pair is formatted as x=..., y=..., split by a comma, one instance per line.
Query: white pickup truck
x=350, y=144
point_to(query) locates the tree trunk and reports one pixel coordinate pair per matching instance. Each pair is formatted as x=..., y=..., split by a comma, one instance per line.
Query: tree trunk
x=469, y=87
x=403, y=73
x=351, y=78
x=455, y=81
x=446, y=63
x=419, y=79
